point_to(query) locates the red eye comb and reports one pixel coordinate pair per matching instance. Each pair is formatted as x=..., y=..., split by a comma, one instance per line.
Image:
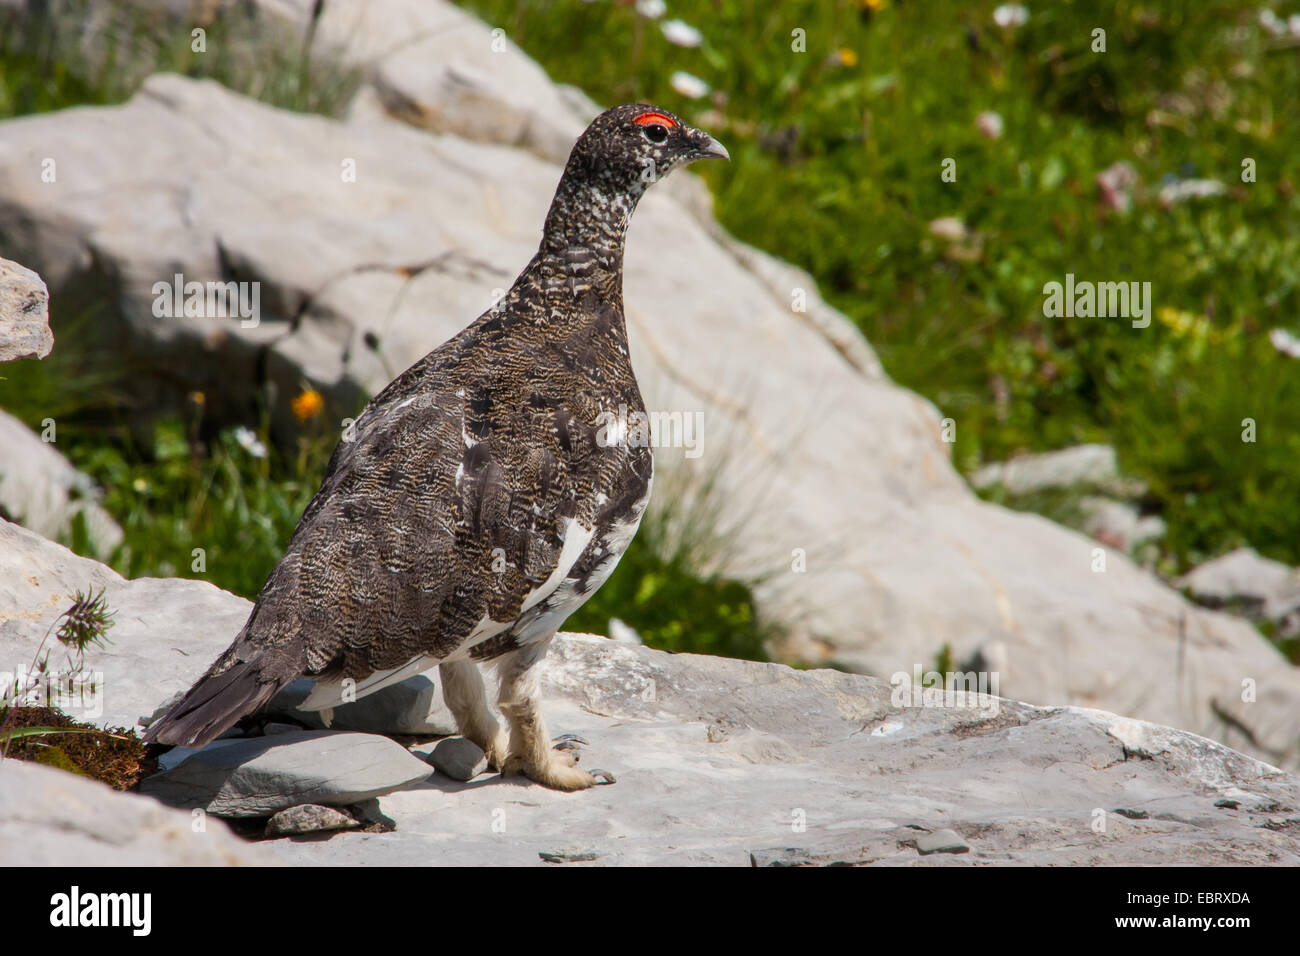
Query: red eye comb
x=648, y=119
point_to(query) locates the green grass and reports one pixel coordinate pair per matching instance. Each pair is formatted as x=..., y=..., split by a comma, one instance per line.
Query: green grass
x=837, y=168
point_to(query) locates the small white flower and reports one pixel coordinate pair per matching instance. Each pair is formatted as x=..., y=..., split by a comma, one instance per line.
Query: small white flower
x=620, y=631
x=948, y=227
x=691, y=87
x=681, y=34
x=1115, y=183
x=1184, y=189
x=1285, y=342
x=250, y=442
x=989, y=124
x=651, y=9
x=1272, y=23
x=1011, y=15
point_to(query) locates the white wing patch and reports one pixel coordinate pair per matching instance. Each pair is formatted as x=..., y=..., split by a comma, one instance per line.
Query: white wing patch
x=326, y=695
x=576, y=538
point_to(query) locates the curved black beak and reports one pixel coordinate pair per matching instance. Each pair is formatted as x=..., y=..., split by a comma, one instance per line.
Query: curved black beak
x=706, y=147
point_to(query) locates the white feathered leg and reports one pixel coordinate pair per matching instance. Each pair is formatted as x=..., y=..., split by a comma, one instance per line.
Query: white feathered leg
x=531, y=751
x=462, y=688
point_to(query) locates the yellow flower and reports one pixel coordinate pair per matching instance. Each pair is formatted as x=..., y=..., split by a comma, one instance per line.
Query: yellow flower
x=308, y=405
x=848, y=57
x=1180, y=322
x=875, y=6
x=198, y=398
x=1190, y=325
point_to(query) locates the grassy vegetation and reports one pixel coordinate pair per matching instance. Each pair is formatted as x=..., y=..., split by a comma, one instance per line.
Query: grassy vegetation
x=48, y=736
x=837, y=155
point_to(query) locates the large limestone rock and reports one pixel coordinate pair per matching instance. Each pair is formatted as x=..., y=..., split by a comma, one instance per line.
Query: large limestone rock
x=24, y=314
x=50, y=817
x=718, y=762
x=821, y=464
x=40, y=489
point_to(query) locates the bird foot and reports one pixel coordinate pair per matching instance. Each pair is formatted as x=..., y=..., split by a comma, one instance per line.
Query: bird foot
x=557, y=771
x=497, y=750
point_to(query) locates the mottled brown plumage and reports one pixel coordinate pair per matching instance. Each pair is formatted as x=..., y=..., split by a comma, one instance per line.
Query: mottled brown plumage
x=482, y=496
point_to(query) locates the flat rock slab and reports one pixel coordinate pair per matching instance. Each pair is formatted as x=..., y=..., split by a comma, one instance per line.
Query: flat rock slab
x=738, y=763
x=941, y=841
x=50, y=817
x=258, y=776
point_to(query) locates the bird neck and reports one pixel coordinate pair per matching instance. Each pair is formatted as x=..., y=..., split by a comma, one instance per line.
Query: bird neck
x=586, y=228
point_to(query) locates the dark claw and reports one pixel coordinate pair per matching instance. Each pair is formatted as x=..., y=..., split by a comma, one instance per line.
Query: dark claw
x=568, y=742
x=603, y=777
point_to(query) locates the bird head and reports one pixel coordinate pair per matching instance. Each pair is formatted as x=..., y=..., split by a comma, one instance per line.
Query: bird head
x=630, y=147
x=616, y=159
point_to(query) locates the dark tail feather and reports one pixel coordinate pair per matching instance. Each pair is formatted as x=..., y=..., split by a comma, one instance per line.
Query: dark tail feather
x=214, y=704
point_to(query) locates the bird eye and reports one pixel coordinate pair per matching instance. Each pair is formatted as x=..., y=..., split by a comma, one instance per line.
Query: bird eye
x=655, y=133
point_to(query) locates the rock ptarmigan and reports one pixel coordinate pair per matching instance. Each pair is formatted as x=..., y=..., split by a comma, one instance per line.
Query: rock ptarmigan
x=481, y=497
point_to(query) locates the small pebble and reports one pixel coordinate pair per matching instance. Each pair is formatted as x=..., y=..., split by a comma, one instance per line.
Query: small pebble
x=569, y=856
x=459, y=758
x=308, y=818
x=941, y=841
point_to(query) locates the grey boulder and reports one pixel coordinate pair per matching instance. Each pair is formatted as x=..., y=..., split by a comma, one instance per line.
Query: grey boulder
x=24, y=314
x=459, y=758
x=1247, y=580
